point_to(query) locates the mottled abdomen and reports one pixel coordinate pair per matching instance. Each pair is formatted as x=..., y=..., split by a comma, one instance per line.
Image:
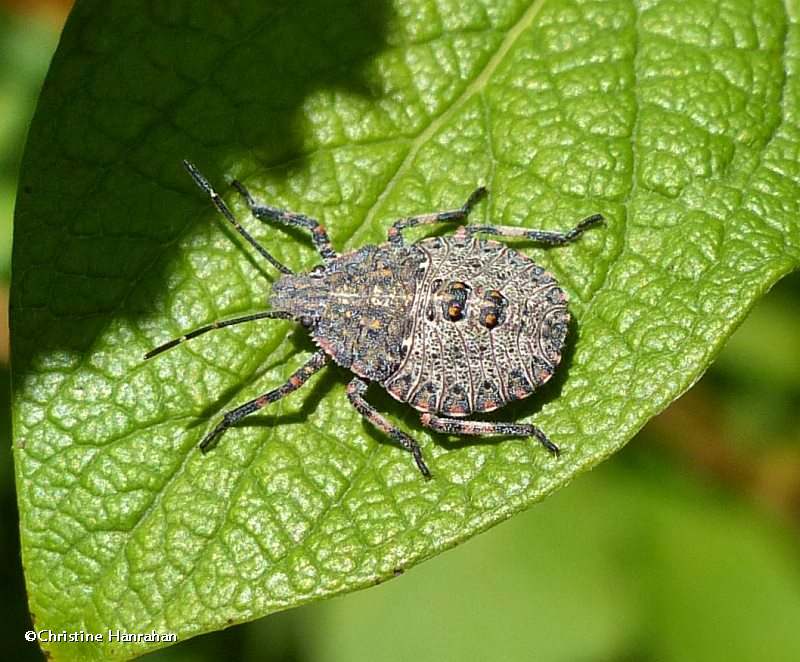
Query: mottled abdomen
x=488, y=328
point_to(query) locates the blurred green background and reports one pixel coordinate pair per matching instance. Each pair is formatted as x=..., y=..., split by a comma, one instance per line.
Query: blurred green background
x=684, y=546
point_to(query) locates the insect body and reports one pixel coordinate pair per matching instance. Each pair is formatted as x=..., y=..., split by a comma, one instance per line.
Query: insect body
x=453, y=326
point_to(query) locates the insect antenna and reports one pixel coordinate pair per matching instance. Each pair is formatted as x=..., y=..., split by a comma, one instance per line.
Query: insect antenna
x=202, y=182
x=219, y=324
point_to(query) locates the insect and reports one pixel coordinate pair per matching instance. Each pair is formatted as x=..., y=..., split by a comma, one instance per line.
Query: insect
x=454, y=326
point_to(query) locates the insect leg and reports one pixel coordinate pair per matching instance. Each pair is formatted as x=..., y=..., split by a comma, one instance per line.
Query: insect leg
x=300, y=377
x=319, y=236
x=395, y=232
x=355, y=391
x=543, y=236
x=219, y=324
x=202, y=182
x=460, y=426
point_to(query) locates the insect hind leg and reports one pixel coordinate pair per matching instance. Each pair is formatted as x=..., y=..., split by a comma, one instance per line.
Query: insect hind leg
x=478, y=428
x=319, y=235
x=541, y=236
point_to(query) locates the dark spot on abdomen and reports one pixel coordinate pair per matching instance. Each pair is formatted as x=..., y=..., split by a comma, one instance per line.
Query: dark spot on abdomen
x=425, y=398
x=456, y=402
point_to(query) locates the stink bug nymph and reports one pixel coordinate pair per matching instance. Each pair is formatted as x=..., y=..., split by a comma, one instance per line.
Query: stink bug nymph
x=454, y=326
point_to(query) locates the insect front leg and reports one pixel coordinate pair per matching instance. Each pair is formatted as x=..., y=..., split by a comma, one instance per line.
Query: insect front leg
x=202, y=182
x=478, y=428
x=319, y=235
x=395, y=232
x=300, y=377
x=542, y=236
x=355, y=392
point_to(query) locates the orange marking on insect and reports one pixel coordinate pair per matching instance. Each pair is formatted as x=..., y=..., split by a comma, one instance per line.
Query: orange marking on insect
x=325, y=344
x=373, y=277
x=542, y=374
x=453, y=310
x=423, y=405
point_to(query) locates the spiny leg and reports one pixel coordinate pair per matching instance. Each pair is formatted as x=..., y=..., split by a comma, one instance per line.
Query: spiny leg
x=219, y=324
x=355, y=392
x=460, y=426
x=543, y=236
x=266, y=213
x=202, y=182
x=395, y=232
x=300, y=377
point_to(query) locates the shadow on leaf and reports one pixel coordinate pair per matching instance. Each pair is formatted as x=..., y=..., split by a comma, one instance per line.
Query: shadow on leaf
x=100, y=216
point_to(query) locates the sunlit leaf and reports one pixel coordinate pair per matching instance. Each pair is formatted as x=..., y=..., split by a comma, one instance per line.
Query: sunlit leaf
x=676, y=120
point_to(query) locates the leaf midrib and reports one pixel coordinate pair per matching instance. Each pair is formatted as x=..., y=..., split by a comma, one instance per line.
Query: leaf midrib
x=483, y=76
x=477, y=85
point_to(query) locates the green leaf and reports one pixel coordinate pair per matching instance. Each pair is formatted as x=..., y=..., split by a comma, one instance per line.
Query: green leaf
x=643, y=590
x=677, y=120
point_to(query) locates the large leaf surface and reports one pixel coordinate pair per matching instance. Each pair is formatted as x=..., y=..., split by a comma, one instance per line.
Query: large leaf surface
x=677, y=120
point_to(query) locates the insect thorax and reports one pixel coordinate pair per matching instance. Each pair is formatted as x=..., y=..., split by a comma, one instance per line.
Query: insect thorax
x=358, y=306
